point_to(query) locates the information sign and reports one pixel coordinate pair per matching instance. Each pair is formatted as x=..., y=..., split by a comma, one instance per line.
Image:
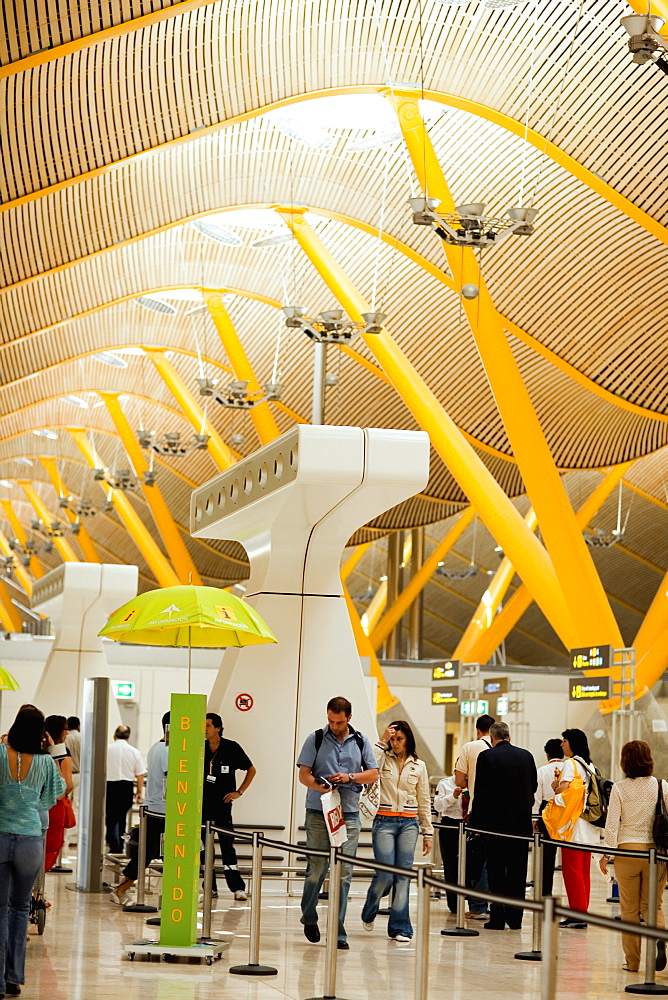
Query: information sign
x=123, y=690
x=502, y=705
x=447, y=671
x=479, y=707
x=444, y=696
x=592, y=658
x=588, y=688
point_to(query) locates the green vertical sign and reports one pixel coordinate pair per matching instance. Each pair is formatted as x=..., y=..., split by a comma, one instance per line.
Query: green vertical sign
x=183, y=818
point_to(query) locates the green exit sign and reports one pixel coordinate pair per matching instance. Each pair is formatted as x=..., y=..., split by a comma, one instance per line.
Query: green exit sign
x=123, y=690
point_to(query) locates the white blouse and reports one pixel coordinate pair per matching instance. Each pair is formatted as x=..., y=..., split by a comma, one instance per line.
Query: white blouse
x=631, y=811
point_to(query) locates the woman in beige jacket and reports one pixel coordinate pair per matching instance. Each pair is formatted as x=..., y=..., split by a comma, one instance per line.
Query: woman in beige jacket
x=404, y=811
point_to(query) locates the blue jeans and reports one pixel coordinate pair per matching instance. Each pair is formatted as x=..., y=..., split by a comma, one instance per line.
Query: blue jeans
x=20, y=862
x=316, y=868
x=394, y=839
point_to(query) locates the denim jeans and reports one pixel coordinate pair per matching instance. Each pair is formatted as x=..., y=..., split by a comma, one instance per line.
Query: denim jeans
x=394, y=839
x=20, y=862
x=316, y=868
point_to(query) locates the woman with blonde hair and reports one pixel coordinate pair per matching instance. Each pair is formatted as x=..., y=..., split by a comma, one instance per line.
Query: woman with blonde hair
x=631, y=812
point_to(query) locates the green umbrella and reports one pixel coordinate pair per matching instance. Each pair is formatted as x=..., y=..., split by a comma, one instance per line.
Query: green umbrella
x=7, y=682
x=188, y=616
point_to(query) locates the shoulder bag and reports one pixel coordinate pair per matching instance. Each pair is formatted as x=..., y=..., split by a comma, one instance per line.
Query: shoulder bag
x=660, y=825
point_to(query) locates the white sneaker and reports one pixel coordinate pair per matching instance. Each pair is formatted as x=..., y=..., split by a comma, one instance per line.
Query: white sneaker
x=402, y=938
x=367, y=927
x=240, y=896
x=116, y=898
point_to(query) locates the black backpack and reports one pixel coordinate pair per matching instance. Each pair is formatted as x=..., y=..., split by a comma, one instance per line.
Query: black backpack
x=598, y=795
x=319, y=737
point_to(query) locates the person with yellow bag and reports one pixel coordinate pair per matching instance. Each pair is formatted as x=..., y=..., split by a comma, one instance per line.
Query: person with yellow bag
x=564, y=821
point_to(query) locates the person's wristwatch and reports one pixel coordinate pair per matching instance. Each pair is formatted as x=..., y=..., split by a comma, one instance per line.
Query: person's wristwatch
x=351, y=777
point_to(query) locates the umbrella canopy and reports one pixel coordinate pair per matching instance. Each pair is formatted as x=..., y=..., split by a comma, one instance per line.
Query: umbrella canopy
x=7, y=682
x=188, y=616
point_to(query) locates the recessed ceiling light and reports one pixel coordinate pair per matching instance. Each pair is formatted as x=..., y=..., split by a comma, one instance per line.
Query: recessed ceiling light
x=273, y=241
x=155, y=305
x=6, y=483
x=111, y=359
x=44, y=432
x=217, y=233
x=24, y=461
x=75, y=401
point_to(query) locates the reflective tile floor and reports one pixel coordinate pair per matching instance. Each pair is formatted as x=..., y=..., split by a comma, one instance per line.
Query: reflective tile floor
x=82, y=955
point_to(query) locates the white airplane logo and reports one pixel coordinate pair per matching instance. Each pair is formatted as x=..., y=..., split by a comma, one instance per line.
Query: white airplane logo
x=172, y=609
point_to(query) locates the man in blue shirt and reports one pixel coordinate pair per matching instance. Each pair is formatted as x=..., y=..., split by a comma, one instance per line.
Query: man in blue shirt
x=345, y=759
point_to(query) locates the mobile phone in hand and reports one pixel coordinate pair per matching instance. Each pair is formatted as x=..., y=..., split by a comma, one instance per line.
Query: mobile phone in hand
x=325, y=782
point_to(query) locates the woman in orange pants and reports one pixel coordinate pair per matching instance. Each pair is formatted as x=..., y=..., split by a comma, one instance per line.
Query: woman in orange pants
x=55, y=726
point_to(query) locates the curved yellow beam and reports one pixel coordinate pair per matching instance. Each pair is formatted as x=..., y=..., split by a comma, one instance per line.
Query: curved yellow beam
x=20, y=535
x=9, y=615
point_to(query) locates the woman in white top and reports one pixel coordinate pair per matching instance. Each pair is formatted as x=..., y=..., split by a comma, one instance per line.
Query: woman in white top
x=405, y=808
x=576, y=865
x=631, y=811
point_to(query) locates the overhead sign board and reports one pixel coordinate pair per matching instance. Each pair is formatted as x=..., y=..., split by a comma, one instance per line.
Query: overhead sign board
x=447, y=671
x=588, y=688
x=502, y=704
x=495, y=685
x=444, y=696
x=478, y=707
x=123, y=690
x=592, y=658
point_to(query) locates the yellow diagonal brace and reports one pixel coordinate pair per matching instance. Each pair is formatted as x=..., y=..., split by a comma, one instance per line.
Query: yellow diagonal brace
x=489, y=603
x=496, y=510
x=420, y=580
x=20, y=535
x=655, y=622
x=193, y=412
x=261, y=415
x=353, y=559
x=515, y=607
x=50, y=465
x=9, y=615
x=170, y=534
x=18, y=569
x=136, y=528
x=384, y=699
x=583, y=591
x=46, y=517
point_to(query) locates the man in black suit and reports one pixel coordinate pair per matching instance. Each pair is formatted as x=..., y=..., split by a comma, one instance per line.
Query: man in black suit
x=505, y=785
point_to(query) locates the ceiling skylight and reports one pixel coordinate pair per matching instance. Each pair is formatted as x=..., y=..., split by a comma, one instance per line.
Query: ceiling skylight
x=217, y=233
x=24, y=461
x=155, y=305
x=75, y=401
x=45, y=432
x=111, y=359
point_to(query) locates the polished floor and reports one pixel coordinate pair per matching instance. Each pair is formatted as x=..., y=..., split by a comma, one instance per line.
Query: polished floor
x=82, y=955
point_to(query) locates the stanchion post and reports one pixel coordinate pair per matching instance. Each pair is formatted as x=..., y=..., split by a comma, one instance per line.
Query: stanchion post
x=650, y=986
x=140, y=906
x=461, y=930
x=207, y=880
x=254, y=968
x=537, y=865
x=422, y=955
x=331, y=944
x=548, y=981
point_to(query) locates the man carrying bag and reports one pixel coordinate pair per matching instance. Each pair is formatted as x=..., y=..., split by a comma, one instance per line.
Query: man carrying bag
x=334, y=758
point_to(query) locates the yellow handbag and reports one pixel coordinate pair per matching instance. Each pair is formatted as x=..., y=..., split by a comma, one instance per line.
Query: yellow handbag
x=559, y=819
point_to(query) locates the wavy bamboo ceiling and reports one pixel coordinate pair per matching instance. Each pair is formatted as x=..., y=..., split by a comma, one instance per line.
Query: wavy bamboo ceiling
x=124, y=122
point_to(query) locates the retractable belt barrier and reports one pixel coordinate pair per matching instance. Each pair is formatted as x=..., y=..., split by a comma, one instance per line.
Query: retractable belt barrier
x=545, y=910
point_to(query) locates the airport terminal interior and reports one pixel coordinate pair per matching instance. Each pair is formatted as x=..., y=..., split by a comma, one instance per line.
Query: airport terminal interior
x=333, y=395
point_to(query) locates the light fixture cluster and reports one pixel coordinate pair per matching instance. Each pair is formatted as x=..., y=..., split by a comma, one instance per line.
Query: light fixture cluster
x=468, y=226
x=462, y=574
x=332, y=326
x=646, y=45
x=170, y=443
x=600, y=539
x=25, y=552
x=84, y=507
x=237, y=396
x=124, y=479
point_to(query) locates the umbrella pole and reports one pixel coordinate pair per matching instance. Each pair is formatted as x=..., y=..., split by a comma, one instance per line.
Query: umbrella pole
x=190, y=654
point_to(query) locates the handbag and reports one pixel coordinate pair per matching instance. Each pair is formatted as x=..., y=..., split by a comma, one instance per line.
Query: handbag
x=370, y=800
x=334, y=818
x=660, y=825
x=70, y=818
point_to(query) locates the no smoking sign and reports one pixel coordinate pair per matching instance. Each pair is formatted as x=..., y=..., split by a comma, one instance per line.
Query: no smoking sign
x=244, y=702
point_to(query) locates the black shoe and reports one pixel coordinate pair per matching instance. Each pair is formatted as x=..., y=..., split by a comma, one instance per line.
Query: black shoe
x=13, y=989
x=342, y=945
x=312, y=933
x=489, y=926
x=572, y=923
x=660, y=956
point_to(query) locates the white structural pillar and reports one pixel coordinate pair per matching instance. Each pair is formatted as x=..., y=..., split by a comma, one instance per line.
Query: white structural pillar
x=78, y=597
x=294, y=505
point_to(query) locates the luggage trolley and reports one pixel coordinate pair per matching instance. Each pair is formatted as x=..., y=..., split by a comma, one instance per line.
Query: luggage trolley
x=37, y=901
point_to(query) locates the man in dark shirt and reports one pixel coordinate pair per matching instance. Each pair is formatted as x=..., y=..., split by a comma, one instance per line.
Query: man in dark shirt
x=222, y=759
x=505, y=785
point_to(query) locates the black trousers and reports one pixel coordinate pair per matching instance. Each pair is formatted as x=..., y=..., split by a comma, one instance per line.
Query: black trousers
x=507, y=873
x=234, y=881
x=155, y=827
x=449, y=843
x=549, y=861
x=117, y=806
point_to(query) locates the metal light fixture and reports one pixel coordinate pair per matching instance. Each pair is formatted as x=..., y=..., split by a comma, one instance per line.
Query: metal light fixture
x=123, y=479
x=171, y=445
x=468, y=226
x=333, y=326
x=645, y=43
x=84, y=507
x=25, y=552
x=464, y=574
x=237, y=396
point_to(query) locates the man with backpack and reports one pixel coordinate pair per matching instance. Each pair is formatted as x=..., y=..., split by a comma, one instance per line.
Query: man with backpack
x=339, y=757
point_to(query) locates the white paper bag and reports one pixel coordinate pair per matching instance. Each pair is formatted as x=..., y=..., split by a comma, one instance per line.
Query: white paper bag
x=333, y=813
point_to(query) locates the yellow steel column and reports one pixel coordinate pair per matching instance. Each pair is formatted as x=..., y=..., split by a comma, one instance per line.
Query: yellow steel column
x=9, y=615
x=18, y=569
x=513, y=610
x=353, y=559
x=379, y=599
x=583, y=591
x=261, y=415
x=490, y=601
x=655, y=622
x=503, y=520
x=420, y=580
x=193, y=412
x=38, y=505
x=136, y=528
x=50, y=465
x=20, y=535
x=384, y=699
x=170, y=534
